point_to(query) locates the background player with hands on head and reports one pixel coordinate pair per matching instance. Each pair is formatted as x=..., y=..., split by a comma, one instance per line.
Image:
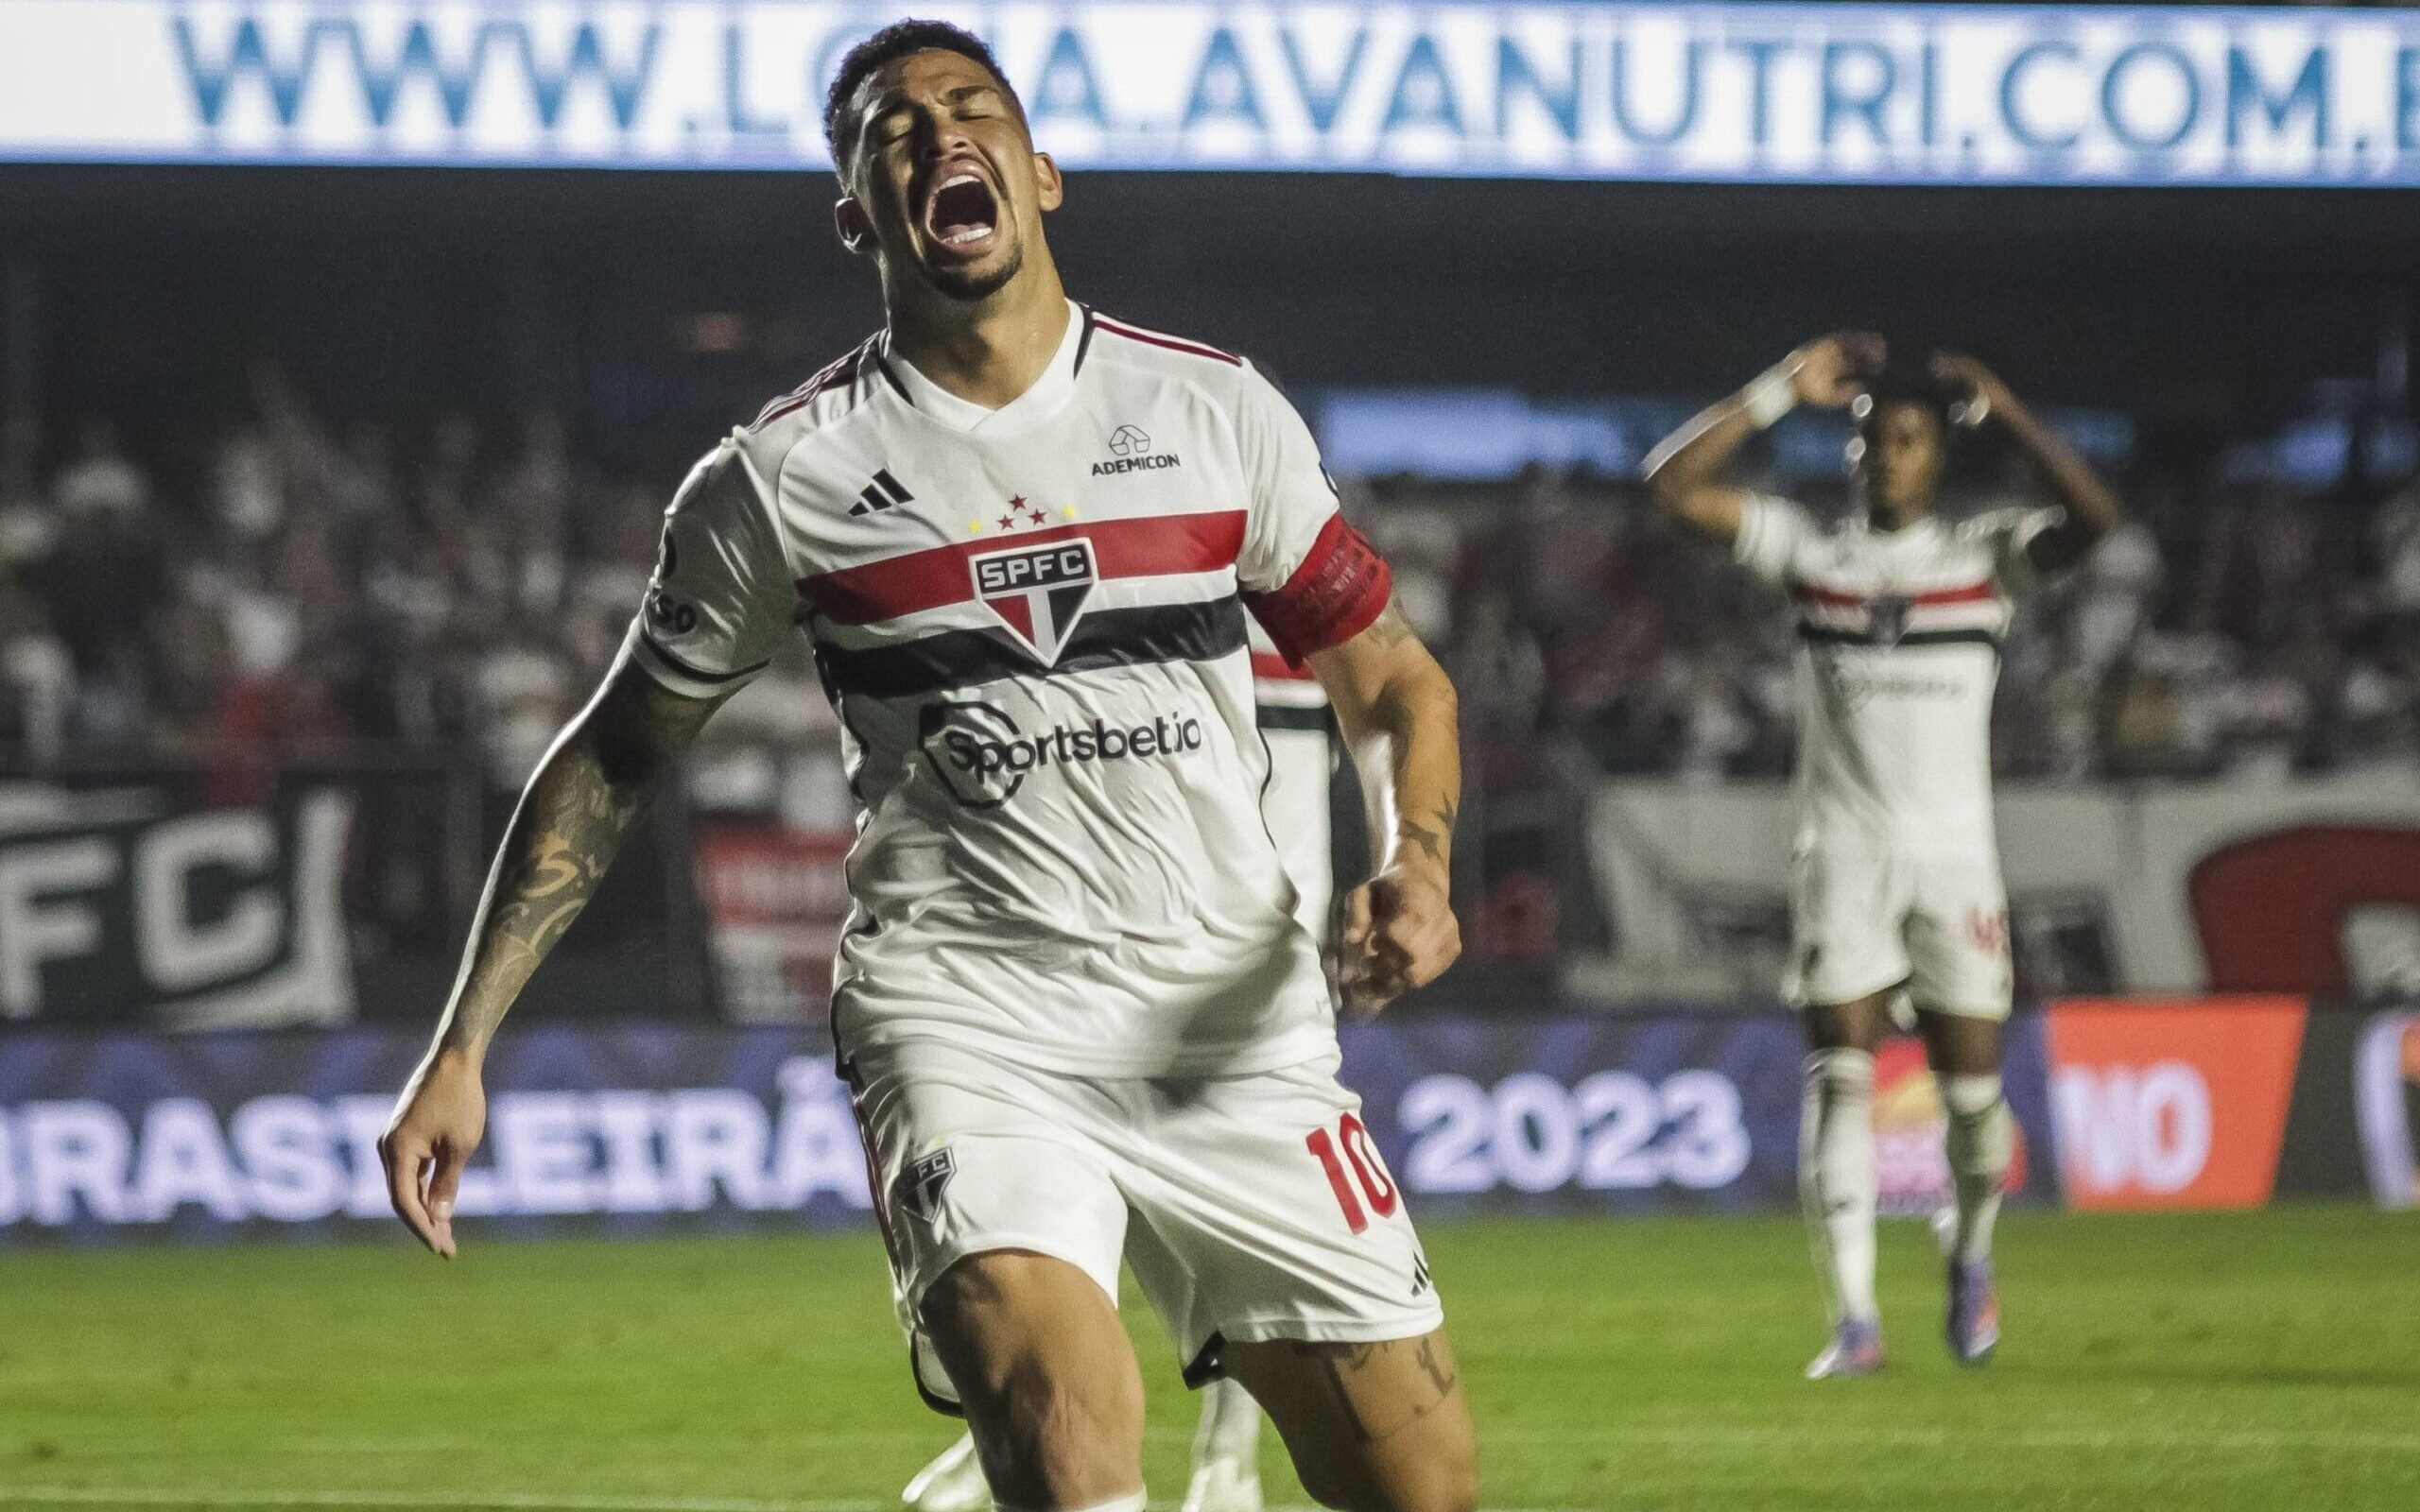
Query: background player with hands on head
x=1080, y=1018
x=1894, y=873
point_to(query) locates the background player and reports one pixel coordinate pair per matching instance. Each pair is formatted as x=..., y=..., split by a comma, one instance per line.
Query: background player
x=1081, y=1018
x=1894, y=872
x=1296, y=723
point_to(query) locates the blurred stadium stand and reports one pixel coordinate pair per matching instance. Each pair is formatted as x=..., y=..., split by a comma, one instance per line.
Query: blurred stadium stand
x=354, y=477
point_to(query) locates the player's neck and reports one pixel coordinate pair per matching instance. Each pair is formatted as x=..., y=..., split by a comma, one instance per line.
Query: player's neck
x=1885, y=523
x=987, y=351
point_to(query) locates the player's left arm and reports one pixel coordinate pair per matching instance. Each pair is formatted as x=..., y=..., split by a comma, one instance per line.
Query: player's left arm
x=2089, y=507
x=1395, y=707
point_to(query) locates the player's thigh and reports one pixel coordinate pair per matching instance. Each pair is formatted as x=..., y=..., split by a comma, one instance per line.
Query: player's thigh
x=1960, y=965
x=1264, y=1210
x=1963, y=1044
x=1045, y=1375
x=1372, y=1427
x=1004, y=1227
x=1847, y=906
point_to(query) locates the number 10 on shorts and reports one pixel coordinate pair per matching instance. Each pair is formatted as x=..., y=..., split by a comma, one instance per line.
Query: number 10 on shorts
x=1368, y=1172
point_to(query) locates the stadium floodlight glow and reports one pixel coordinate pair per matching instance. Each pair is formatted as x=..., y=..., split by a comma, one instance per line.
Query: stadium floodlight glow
x=2079, y=95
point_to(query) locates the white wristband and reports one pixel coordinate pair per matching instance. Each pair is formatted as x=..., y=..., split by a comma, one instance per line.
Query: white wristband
x=1769, y=396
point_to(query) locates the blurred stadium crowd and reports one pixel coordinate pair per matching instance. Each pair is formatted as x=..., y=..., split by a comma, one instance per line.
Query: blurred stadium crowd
x=304, y=596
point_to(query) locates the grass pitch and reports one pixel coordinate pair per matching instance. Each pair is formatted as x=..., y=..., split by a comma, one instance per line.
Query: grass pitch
x=2262, y=1360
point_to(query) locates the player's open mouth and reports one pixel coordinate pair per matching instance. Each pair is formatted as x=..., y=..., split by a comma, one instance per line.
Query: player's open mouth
x=961, y=212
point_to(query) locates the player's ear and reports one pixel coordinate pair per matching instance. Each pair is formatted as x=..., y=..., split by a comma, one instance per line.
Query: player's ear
x=1053, y=188
x=849, y=219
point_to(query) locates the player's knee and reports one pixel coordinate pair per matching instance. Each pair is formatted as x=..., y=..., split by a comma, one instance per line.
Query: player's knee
x=1047, y=1441
x=1970, y=1097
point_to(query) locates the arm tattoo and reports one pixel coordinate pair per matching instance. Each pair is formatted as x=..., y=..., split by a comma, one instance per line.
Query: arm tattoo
x=1345, y=1370
x=1432, y=838
x=561, y=839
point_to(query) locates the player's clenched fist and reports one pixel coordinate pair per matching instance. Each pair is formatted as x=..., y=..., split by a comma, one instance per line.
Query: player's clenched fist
x=1399, y=933
x=437, y=1124
x=1831, y=370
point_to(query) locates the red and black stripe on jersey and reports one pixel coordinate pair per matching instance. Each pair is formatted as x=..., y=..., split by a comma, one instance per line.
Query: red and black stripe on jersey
x=1961, y=615
x=916, y=582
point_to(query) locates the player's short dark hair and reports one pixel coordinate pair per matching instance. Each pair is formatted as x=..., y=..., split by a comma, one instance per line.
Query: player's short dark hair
x=1917, y=387
x=893, y=42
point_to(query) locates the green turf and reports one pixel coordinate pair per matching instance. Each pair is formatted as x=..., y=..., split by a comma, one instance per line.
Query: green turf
x=2267, y=1361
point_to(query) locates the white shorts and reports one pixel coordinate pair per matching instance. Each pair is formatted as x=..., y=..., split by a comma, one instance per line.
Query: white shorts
x=1864, y=919
x=1251, y=1207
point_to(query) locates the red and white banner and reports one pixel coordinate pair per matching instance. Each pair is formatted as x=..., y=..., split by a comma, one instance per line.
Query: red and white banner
x=2172, y=1104
x=775, y=901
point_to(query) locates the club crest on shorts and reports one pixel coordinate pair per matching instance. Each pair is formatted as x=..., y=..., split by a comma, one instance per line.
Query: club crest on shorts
x=918, y=1191
x=1038, y=591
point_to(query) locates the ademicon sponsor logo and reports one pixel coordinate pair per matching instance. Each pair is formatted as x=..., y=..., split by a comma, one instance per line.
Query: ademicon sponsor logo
x=287, y=1159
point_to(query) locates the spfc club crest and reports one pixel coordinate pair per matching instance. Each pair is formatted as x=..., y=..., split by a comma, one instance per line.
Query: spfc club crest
x=1038, y=591
x=1886, y=619
x=918, y=1193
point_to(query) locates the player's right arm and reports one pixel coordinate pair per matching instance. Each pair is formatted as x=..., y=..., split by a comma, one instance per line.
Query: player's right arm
x=720, y=600
x=564, y=834
x=1685, y=469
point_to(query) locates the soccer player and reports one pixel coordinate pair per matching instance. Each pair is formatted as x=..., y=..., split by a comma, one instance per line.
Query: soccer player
x=1894, y=873
x=1078, y=1011
x=1295, y=722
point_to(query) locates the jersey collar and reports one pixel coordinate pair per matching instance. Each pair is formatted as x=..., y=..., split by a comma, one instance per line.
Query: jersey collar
x=1028, y=409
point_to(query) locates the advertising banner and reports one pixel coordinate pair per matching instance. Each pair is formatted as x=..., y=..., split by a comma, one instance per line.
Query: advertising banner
x=2308, y=887
x=775, y=901
x=631, y=1128
x=2171, y=1105
x=123, y=905
x=2386, y=1097
x=643, y=1128
x=1747, y=93
x=1628, y=1115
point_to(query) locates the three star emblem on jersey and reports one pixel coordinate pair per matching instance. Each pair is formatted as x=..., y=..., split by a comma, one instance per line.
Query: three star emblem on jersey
x=1038, y=591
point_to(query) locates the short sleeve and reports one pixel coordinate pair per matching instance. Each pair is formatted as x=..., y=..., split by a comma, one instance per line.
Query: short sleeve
x=722, y=597
x=2010, y=534
x=1311, y=579
x=1771, y=531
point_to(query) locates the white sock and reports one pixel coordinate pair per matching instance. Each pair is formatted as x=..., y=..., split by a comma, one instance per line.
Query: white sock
x=1982, y=1139
x=1136, y=1503
x=1835, y=1179
x=1230, y=1425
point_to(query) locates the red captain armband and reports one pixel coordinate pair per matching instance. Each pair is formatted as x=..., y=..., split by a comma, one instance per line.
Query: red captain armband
x=1339, y=590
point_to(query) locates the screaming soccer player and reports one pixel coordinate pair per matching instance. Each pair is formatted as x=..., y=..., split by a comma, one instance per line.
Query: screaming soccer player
x=1079, y=1017
x=1894, y=872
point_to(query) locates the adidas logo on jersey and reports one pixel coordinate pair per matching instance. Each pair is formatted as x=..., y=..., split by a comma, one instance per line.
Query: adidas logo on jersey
x=881, y=493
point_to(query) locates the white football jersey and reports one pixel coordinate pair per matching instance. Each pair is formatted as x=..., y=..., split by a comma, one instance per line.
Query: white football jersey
x=1898, y=653
x=1295, y=722
x=1032, y=623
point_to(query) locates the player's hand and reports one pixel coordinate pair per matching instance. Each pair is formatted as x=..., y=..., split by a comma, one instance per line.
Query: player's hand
x=1831, y=370
x=1399, y=933
x=1986, y=394
x=437, y=1124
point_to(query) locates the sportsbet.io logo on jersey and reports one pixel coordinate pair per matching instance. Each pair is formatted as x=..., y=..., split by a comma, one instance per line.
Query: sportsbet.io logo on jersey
x=982, y=757
x=1038, y=591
